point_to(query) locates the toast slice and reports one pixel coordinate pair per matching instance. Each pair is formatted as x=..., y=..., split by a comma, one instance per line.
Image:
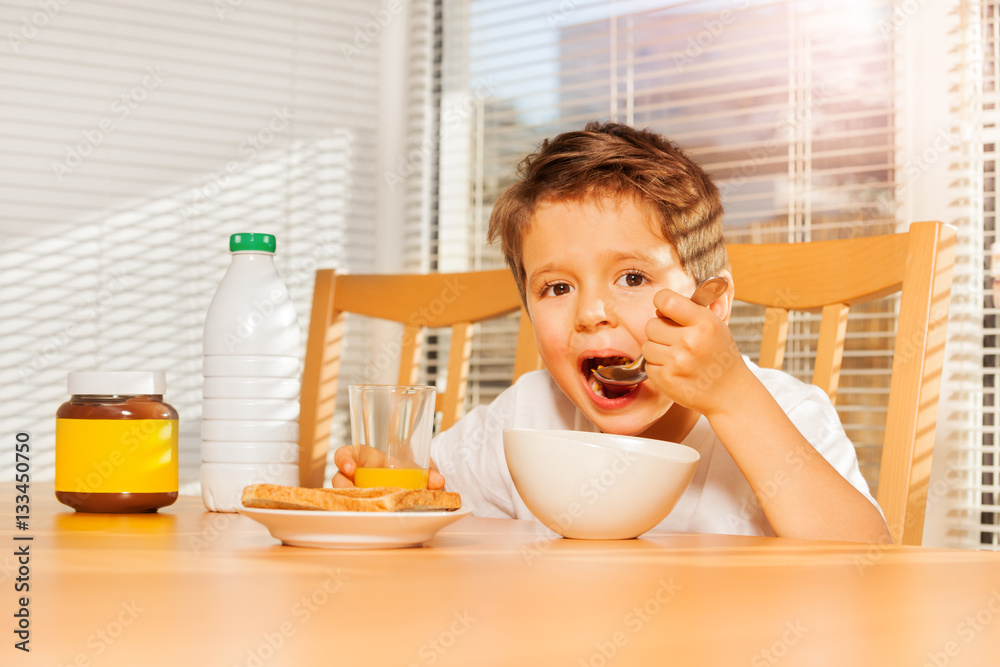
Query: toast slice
x=381, y=499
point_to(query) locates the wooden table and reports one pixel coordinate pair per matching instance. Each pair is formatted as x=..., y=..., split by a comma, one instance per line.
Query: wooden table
x=186, y=587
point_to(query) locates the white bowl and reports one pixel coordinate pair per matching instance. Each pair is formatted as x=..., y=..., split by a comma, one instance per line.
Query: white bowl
x=597, y=486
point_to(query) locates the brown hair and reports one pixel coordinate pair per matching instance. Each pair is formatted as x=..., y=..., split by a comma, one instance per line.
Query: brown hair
x=615, y=160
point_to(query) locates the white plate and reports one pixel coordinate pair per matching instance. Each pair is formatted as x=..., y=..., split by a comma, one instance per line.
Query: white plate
x=353, y=530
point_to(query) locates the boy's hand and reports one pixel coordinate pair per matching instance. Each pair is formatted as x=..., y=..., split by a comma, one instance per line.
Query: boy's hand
x=690, y=353
x=346, y=462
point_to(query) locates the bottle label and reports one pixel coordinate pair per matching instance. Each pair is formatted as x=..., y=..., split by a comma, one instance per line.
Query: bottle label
x=116, y=455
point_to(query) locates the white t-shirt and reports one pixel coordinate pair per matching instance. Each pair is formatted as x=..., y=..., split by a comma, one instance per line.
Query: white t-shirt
x=718, y=500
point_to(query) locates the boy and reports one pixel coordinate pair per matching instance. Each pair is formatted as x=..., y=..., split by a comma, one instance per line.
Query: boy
x=607, y=232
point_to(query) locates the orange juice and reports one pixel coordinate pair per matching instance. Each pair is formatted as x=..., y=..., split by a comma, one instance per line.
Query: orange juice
x=404, y=478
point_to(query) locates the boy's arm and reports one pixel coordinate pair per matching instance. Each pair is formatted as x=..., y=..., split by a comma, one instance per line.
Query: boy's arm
x=801, y=493
x=694, y=359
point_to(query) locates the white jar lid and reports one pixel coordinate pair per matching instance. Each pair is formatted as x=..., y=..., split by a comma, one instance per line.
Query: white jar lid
x=117, y=383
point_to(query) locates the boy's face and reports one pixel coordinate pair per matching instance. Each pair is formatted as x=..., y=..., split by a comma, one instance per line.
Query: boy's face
x=591, y=270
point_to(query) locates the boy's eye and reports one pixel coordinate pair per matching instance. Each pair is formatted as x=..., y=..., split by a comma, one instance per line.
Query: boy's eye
x=556, y=289
x=632, y=279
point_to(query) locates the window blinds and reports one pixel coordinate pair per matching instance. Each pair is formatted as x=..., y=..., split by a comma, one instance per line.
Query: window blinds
x=134, y=138
x=962, y=495
x=789, y=105
x=983, y=526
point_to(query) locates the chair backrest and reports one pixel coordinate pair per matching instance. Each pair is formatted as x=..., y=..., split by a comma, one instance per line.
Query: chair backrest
x=832, y=276
x=455, y=300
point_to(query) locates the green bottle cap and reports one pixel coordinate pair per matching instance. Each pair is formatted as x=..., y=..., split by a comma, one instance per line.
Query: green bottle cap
x=258, y=242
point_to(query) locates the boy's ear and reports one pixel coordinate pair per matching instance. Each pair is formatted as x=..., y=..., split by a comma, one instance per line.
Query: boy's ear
x=723, y=306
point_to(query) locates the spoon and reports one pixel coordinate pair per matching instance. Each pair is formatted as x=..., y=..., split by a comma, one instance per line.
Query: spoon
x=632, y=373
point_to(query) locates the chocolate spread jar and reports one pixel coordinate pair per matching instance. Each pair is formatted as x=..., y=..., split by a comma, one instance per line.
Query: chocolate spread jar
x=116, y=443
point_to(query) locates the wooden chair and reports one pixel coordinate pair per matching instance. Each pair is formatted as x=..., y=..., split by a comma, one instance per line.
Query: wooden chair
x=456, y=300
x=832, y=276
x=826, y=276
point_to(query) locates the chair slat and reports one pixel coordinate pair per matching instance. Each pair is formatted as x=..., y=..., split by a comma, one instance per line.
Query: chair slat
x=830, y=349
x=409, y=355
x=773, y=338
x=458, y=374
x=318, y=396
x=917, y=364
x=527, y=358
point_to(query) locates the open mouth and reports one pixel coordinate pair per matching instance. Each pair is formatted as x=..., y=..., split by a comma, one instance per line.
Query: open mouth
x=605, y=390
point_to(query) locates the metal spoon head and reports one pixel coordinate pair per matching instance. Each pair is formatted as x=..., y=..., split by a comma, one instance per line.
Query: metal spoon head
x=709, y=290
x=632, y=373
x=622, y=376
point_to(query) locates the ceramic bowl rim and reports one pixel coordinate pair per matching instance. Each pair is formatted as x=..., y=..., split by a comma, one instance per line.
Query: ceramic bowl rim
x=676, y=452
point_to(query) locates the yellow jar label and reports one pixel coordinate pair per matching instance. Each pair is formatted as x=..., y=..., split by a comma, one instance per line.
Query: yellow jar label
x=116, y=455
